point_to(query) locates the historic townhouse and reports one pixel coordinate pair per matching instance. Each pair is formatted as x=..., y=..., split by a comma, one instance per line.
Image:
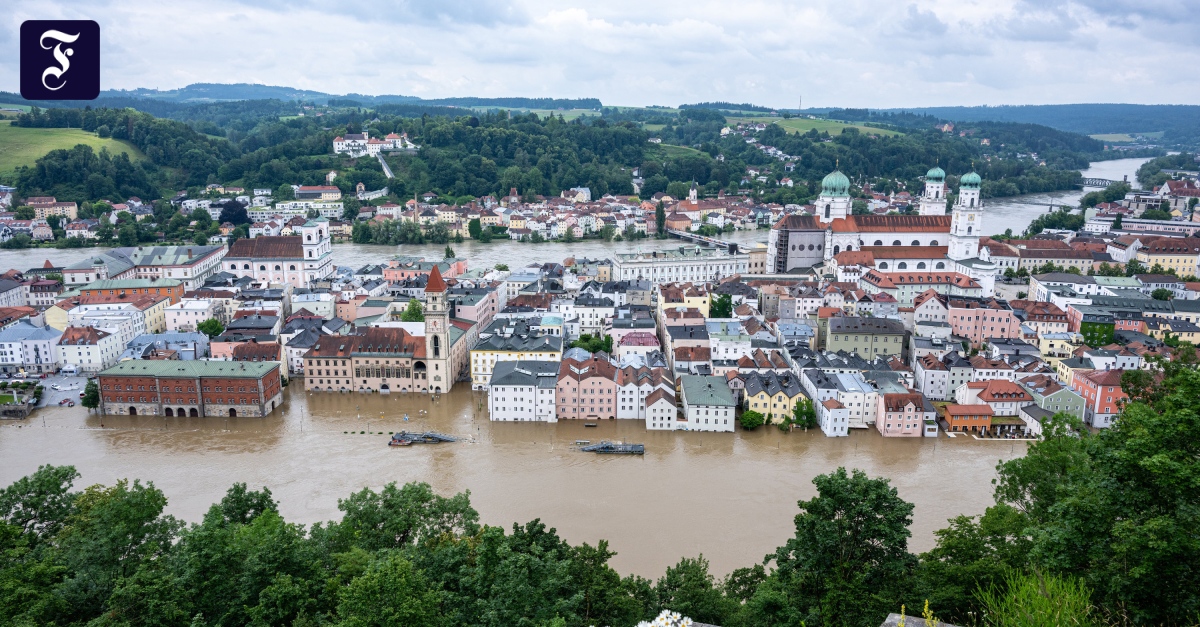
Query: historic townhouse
x=191, y=388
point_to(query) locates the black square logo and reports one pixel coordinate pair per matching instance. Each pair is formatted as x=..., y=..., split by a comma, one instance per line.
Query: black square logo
x=60, y=60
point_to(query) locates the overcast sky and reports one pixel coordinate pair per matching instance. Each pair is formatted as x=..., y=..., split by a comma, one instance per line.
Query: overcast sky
x=849, y=53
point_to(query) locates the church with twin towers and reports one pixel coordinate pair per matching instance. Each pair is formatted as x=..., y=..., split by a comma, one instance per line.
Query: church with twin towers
x=929, y=241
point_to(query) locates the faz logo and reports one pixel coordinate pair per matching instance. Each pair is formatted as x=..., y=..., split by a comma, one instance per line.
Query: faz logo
x=60, y=60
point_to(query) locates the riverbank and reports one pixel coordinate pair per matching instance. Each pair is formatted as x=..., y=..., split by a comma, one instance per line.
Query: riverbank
x=737, y=491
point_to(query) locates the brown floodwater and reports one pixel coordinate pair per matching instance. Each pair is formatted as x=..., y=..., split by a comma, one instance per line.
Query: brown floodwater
x=731, y=497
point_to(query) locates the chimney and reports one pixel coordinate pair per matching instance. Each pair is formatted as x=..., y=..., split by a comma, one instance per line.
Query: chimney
x=189, y=253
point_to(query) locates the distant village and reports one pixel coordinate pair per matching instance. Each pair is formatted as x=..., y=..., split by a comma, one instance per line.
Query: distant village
x=906, y=319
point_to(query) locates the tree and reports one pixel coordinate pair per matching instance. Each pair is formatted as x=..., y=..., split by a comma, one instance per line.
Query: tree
x=475, y=228
x=804, y=414
x=391, y=592
x=211, y=327
x=1134, y=267
x=448, y=253
x=283, y=193
x=1117, y=224
x=503, y=267
x=688, y=588
x=1162, y=293
x=607, y=232
x=234, y=213
x=660, y=218
x=1009, y=273
x=752, y=420
x=25, y=213
x=722, y=306
x=413, y=312
x=1156, y=214
x=127, y=235
x=594, y=344
x=848, y=561
x=859, y=207
x=91, y=395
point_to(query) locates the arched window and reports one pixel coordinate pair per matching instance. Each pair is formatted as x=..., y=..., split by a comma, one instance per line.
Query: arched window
x=921, y=265
x=916, y=242
x=972, y=202
x=292, y=267
x=308, y=237
x=262, y=267
x=827, y=211
x=310, y=253
x=933, y=243
x=941, y=265
x=233, y=266
x=879, y=242
x=897, y=243
x=968, y=230
x=245, y=266
x=902, y=266
x=883, y=265
x=837, y=249
x=321, y=234
x=278, y=267
x=437, y=346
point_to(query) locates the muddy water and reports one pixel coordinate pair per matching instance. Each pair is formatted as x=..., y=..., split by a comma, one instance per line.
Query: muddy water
x=729, y=496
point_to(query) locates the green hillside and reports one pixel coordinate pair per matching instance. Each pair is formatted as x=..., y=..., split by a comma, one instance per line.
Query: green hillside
x=23, y=146
x=804, y=125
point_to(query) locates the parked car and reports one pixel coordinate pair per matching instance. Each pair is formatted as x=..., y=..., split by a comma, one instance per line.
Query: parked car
x=81, y=395
x=64, y=401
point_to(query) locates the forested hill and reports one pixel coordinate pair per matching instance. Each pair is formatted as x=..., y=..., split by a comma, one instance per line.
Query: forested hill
x=1088, y=529
x=261, y=143
x=1179, y=123
x=144, y=99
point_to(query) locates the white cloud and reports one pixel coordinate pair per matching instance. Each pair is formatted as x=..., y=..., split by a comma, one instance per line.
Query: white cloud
x=830, y=52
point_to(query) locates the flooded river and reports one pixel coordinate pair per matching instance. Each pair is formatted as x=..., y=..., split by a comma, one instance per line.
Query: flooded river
x=731, y=497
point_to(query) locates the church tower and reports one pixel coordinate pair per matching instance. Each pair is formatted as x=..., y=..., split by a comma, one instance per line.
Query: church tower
x=933, y=201
x=967, y=219
x=692, y=193
x=834, y=201
x=437, y=334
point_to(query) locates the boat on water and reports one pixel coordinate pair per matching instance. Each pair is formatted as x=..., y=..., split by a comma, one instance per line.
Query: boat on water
x=590, y=424
x=405, y=438
x=582, y=442
x=615, y=448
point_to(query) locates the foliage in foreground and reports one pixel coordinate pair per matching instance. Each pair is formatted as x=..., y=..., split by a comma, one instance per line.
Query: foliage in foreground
x=1086, y=530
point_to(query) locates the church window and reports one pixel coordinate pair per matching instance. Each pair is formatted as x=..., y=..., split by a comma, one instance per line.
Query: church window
x=310, y=253
x=292, y=267
x=278, y=267
x=810, y=246
x=883, y=265
x=437, y=347
x=972, y=202
x=879, y=242
x=921, y=265
x=837, y=249
x=261, y=267
x=902, y=265
x=933, y=243
x=941, y=265
x=896, y=243
x=245, y=266
x=826, y=211
x=968, y=230
x=916, y=242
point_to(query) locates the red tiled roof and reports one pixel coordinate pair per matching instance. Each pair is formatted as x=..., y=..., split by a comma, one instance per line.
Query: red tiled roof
x=892, y=224
x=435, y=284
x=268, y=247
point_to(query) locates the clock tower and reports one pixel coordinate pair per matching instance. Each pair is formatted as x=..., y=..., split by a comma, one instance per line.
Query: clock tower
x=437, y=335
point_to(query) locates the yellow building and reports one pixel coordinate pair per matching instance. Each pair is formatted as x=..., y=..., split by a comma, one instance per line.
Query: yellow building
x=1173, y=253
x=1182, y=330
x=773, y=395
x=516, y=222
x=510, y=340
x=1056, y=347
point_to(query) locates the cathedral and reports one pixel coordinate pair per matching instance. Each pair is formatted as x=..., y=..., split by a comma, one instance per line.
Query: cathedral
x=929, y=241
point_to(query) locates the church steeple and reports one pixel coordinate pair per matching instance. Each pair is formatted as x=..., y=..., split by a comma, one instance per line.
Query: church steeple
x=967, y=220
x=437, y=320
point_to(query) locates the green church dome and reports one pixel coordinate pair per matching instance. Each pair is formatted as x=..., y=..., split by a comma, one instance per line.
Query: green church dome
x=835, y=184
x=971, y=180
x=937, y=175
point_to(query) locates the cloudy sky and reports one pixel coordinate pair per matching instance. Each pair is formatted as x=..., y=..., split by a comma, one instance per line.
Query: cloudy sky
x=853, y=53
